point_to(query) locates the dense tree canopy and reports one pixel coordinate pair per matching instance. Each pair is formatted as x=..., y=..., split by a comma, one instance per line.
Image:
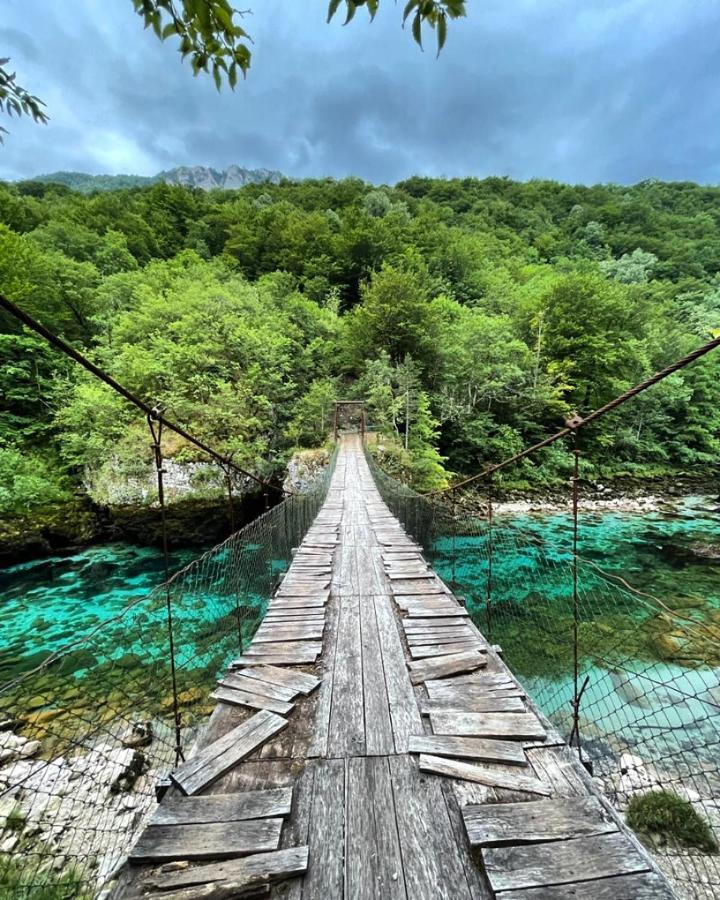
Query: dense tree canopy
x=473, y=316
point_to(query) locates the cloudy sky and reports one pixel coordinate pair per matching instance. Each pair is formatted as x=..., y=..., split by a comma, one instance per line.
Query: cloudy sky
x=589, y=91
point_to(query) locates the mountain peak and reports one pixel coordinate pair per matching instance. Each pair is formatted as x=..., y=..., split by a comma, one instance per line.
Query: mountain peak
x=204, y=177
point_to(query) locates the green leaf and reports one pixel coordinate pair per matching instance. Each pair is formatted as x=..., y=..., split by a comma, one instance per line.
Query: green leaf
x=409, y=7
x=352, y=9
x=417, y=29
x=232, y=76
x=170, y=28
x=373, y=6
x=441, y=32
x=333, y=8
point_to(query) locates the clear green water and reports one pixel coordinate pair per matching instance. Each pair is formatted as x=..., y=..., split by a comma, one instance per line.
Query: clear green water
x=47, y=603
x=653, y=679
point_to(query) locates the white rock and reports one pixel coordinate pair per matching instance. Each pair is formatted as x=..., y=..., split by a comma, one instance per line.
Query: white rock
x=30, y=749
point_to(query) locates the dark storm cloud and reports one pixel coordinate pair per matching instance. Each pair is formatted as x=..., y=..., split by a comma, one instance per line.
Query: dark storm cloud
x=617, y=90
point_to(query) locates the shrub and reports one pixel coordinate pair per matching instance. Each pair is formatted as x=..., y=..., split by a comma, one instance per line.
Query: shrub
x=666, y=814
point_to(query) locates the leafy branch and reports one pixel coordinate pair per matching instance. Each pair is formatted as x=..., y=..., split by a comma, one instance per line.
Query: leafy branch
x=208, y=32
x=434, y=13
x=16, y=101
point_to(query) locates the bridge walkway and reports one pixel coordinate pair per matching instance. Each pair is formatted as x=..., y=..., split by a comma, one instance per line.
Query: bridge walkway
x=418, y=767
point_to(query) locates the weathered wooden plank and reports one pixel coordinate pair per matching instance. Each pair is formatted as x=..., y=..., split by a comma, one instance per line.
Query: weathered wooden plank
x=347, y=714
x=298, y=681
x=508, y=726
x=374, y=864
x=446, y=612
x=472, y=704
x=164, y=843
x=253, y=686
x=446, y=665
x=276, y=632
x=432, y=860
x=443, y=635
x=219, y=757
x=404, y=713
x=240, y=874
x=479, y=680
x=326, y=833
x=179, y=810
x=273, y=658
x=483, y=774
x=286, y=647
x=427, y=651
x=237, y=697
x=482, y=749
x=501, y=824
x=378, y=725
x=562, y=862
x=647, y=886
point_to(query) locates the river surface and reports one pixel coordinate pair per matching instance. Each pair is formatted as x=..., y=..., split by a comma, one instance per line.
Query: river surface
x=652, y=663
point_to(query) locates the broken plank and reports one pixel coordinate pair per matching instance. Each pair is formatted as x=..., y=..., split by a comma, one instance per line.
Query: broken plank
x=236, y=697
x=288, y=658
x=164, y=843
x=283, y=647
x=514, y=726
x=219, y=757
x=481, y=749
x=240, y=874
x=447, y=612
x=562, y=862
x=178, y=810
x=299, y=681
x=483, y=774
x=445, y=665
x=500, y=824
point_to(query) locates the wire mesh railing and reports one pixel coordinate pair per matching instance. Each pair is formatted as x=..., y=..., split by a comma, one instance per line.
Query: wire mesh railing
x=630, y=681
x=88, y=734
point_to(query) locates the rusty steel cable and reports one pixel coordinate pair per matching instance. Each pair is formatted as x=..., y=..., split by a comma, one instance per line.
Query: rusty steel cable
x=59, y=344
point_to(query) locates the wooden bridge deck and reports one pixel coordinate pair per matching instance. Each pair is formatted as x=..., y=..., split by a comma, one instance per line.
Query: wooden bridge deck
x=418, y=768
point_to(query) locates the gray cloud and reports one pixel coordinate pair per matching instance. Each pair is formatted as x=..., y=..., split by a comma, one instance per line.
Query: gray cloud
x=618, y=90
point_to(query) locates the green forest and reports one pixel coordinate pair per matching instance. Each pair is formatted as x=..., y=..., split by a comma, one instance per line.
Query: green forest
x=472, y=316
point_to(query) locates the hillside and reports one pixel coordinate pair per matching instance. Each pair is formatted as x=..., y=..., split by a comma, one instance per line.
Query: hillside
x=476, y=314
x=191, y=176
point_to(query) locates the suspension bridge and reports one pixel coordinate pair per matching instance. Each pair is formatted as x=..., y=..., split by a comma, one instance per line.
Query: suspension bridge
x=330, y=721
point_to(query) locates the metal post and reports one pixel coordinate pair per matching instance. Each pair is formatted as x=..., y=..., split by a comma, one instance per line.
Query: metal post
x=155, y=425
x=335, y=426
x=454, y=532
x=489, y=585
x=577, y=692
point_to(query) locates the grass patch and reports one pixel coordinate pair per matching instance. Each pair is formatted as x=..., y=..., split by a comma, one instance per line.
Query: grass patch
x=18, y=881
x=666, y=814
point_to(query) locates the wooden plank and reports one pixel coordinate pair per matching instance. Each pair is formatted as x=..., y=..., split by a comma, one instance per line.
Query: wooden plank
x=287, y=647
x=508, y=726
x=272, y=658
x=448, y=612
x=374, y=864
x=425, y=621
x=178, y=810
x=298, y=681
x=445, y=665
x=236, y=697
x=253, y=686
x=647, y=886
x=240, y=874
x=275, y=633
x=219, y=757
x=503, y=824
x=483, y=749
x=443, y=635
x=432, y=861
x=378, y=726
x=404, y=713
x=347, y=713
x=485, y=705
x=562, y=862
x=326, y=834
x=483, y=774
x=164, y=843
x=427, y=651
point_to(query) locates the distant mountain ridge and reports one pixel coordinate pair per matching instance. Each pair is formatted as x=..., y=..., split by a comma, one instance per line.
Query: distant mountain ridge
x=203, y=177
